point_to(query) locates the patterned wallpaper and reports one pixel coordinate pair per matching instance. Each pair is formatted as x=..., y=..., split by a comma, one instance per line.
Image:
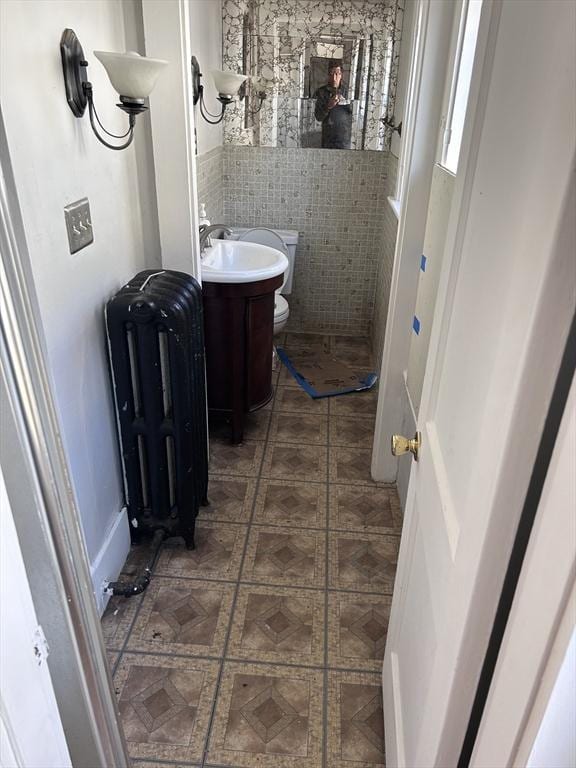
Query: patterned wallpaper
x=274, y=41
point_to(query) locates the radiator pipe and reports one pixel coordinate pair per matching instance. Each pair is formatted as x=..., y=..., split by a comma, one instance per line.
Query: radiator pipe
x=136, y=587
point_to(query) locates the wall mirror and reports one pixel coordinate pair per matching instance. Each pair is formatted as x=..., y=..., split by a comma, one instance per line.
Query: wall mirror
x=322, y=72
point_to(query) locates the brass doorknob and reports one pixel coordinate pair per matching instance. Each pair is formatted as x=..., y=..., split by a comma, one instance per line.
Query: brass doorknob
x=401, y=445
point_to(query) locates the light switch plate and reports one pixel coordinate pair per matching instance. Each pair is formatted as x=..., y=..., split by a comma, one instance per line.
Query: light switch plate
x=79, y=224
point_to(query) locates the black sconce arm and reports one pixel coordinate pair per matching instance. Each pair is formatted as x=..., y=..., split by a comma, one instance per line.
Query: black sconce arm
x=206, y=114
x=94, y=118
x=389, y=123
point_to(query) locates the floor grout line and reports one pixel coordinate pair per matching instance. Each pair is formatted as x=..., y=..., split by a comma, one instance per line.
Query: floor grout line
x=236, y=590
x=326, y=603
x=360, y=484
x=252, y=583
x=256, y=661
x=260, y=478
x=287, y=527
x=131, y=625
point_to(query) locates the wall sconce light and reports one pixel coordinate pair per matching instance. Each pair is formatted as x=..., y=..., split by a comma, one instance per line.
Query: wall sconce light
x=228, y=85
x=132, y=76
x=389, y=123
x=259, y=88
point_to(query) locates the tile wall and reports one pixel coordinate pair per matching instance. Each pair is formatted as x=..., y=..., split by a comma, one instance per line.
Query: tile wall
x=337, y=203
x=210, y=187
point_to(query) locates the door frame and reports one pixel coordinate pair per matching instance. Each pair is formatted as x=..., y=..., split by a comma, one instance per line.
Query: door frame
x=40, y=491
x=167, y=36
x=430, y=54
x=542, y=613
x=542, y=360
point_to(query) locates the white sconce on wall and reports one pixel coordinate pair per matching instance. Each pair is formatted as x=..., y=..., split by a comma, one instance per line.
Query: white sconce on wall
x=132, y=76
x=228, y=85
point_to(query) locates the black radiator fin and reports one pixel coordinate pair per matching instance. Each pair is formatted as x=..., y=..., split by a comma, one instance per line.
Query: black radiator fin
x=156, y=343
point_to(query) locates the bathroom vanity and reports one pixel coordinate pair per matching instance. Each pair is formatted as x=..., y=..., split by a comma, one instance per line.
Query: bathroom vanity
x=239, y=330
x=238, y=284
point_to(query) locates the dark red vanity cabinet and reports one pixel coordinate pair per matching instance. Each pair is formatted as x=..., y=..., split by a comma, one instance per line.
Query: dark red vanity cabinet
x=239, y=333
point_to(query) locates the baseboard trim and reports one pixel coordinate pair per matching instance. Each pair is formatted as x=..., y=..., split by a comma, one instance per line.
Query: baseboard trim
x=110, y=558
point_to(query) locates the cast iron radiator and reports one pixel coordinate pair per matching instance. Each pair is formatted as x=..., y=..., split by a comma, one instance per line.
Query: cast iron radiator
x=156, y=345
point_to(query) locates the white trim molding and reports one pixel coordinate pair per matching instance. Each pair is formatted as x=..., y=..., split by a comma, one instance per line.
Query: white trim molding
x=167, y=36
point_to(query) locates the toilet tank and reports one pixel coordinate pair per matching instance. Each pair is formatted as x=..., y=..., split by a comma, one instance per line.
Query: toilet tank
x=290, y=239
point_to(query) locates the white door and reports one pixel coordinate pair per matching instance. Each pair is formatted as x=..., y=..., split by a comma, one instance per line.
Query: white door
x=31, y=734
x=505, y=299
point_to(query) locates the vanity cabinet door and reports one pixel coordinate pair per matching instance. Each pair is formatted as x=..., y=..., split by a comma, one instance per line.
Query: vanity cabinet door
x=239, y=337
x=259, y=344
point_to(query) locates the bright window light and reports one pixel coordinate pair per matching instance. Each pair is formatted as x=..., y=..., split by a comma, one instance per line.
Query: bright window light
x=462, y=75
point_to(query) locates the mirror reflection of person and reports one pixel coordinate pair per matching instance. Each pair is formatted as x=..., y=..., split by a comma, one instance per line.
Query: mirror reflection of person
x=333, y=110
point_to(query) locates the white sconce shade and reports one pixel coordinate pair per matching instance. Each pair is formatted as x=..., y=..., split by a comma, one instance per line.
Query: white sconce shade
x=227, y=83
x=131, y=75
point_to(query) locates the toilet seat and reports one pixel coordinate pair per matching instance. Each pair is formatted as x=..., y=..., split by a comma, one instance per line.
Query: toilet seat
x=265, y=236
x=281, y=308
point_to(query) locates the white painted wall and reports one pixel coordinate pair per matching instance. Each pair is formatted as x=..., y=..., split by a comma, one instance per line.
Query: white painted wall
x=206, y=45
x=57, y=160
x=555, y=743
x=167, y=36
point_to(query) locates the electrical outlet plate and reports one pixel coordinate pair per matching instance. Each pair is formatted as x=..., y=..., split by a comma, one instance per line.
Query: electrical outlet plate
x=79, y=224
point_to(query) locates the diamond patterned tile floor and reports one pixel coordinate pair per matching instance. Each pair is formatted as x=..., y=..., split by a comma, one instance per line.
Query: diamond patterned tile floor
x=264, y=645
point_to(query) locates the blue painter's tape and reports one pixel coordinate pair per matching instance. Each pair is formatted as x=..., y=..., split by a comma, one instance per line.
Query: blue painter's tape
x=423, y=263
x=366, y=382
x=416, y=325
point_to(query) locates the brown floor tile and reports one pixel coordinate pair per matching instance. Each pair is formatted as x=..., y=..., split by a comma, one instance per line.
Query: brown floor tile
x=217, y=555
x=363, y=562
x=117, y=618
x=356, y=721
x=147, y=764
x=112, y=657
x=357, y=629
x=303, y=428
x=295, y=557
x=355, y=352
x=228, y=459
x=295, y=400
x=370, y=509
x=351, y=466
x=292, y=504
x=183, y=617
x=352, y=431
x=268, y=716
x=283, y=461
x=308, y=341
x=230, y=498
x=358, y=360
x=165, y=705
x=279, y=625
x=355, y=404
x=285, y=378
x=138, y=558
x=351, y=344
x=255, y=425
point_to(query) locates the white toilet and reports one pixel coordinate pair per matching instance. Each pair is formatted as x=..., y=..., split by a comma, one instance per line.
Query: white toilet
x=284, y=240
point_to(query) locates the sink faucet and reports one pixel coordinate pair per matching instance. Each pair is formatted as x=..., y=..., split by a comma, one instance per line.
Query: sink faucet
x=206, y=231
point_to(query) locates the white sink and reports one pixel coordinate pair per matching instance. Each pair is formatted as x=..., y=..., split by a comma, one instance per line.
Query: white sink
x=230, y=261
